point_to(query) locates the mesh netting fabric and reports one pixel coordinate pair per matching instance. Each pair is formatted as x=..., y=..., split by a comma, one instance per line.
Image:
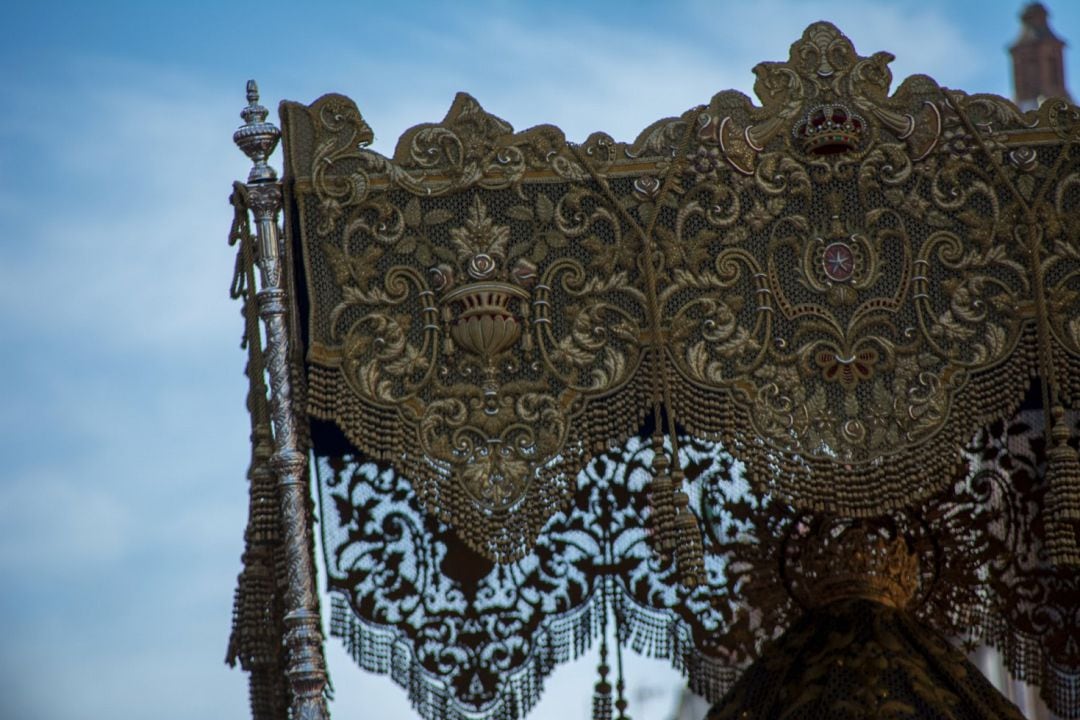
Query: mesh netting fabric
x=840, y=288
x=488, y=309
x=464, y=635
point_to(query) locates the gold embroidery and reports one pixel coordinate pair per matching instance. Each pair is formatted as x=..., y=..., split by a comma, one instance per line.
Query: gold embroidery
x=841, y=285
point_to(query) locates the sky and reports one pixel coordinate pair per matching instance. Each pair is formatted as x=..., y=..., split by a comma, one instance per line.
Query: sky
x=123, y=433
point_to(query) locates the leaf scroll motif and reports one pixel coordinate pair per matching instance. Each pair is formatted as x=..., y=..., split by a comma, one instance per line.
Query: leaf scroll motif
x=480, y=235
x=589, y=319
x=731, y=334
x=802, y=360
x=1062, y=262
x=975, y=327
x=381, y=358
x=600, y=344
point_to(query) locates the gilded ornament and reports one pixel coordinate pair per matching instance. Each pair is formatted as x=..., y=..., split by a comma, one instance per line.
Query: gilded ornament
x=838, y=284
x=844, y=285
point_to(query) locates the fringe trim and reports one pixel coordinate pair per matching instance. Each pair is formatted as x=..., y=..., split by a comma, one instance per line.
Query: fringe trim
x=655, y=634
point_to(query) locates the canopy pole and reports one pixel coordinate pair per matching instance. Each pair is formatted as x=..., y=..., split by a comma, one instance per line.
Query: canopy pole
x=305, y=664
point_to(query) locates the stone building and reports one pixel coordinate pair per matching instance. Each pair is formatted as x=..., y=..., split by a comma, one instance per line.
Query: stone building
x=1038, y=60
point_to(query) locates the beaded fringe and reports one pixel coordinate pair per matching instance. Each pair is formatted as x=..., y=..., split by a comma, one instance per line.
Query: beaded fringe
x=1062, y=495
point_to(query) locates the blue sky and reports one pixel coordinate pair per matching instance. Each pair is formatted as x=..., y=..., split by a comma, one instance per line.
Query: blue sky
x=122, y=426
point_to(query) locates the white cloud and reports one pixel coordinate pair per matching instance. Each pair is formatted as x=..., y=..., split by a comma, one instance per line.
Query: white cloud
x=133, y=255
x=923, y=39
x=55, y=524
x=585, y=74
x=582, y=77
x=122, y=502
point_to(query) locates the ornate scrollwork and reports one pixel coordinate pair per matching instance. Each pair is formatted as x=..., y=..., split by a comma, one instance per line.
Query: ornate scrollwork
x=842, y=286
x=838, y=283
x=439, y=313
x=846, y=294
x=481, y=637
x=965, y=563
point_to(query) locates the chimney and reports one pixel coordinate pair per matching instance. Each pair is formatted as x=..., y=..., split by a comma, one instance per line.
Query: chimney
x=1038, y=60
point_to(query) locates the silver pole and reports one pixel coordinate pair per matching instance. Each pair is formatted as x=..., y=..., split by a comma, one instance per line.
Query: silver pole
x=305, y=664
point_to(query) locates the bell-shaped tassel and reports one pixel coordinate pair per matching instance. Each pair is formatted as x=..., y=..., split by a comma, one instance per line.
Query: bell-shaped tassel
x=601, y=701
x=662, y=502
x=1062, y=504
x=689, y=555
x=620, y=680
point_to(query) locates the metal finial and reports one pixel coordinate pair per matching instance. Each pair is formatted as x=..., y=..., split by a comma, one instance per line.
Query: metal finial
x=256, y=137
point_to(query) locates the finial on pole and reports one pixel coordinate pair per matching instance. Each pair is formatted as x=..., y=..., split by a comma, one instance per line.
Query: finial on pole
x=256, y=137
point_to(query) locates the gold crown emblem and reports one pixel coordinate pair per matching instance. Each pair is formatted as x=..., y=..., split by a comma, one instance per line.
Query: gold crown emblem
x=854, y=561
x=830, y=130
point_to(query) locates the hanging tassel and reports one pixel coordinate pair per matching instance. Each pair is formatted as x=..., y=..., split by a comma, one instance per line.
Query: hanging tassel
x=689, y=556
x=1062, y=505
x=620, y=681
x=662, y=502
x=620, y=702
x=601, y=701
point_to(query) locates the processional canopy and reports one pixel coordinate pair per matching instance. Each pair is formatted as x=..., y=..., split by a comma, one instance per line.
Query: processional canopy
x=553, y=386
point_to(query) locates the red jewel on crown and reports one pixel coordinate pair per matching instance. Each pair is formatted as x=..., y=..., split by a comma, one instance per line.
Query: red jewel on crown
x=830, y=130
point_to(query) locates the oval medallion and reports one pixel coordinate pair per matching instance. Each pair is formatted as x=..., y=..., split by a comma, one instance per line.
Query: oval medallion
x=839, y=262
